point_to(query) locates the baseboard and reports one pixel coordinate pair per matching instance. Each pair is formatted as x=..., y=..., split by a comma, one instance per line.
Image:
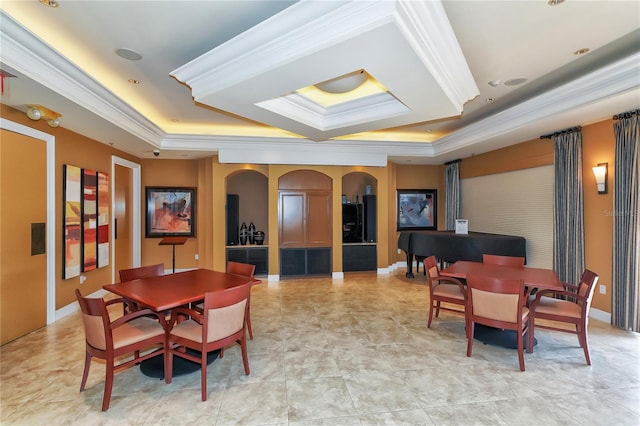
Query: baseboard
x=600, y=315
x=73, y=307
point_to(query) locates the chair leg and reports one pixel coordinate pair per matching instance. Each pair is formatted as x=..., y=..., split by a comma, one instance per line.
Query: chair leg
x=203, y=375
x=245, y=358
x=437, y=308
x=582, y=338
x=108, y=384
x=430, y=314
x=85, y=374
x=530, y=339
x=168, y=364
x=470, y=327
x=521, y=351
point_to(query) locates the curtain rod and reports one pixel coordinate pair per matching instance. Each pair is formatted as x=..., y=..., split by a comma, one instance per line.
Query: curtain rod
x=627, y=114
x=459, y=160
x=561, y=132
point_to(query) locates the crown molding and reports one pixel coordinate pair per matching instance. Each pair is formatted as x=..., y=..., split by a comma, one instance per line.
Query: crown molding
x=31, y=56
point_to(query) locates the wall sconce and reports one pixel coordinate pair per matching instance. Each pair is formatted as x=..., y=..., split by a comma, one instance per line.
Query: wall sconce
x=36, y=112
x=600, y=172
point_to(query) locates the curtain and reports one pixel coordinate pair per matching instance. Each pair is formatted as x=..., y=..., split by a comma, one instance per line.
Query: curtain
x=568, y=216
x=452, y=194
x=626, y=229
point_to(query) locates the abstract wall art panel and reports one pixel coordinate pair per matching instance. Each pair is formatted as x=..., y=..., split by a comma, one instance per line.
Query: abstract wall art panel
x=71, y=221
x=103, y=219
x=89, y=220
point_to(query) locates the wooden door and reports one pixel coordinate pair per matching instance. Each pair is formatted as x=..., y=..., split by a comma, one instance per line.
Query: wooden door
x=123, y=218
x=292, y=219
x=23, y=204
x=318, y=219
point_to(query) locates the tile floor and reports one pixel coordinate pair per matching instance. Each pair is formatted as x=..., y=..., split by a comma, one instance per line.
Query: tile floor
x=349, y=352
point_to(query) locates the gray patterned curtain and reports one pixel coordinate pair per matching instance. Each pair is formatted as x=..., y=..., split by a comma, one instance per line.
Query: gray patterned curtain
x=452, y=194
x=568, y=244
x=626, y=219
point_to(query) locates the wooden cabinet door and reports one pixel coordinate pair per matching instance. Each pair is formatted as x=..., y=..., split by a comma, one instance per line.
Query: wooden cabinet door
x=318, y=219
x=292, y=219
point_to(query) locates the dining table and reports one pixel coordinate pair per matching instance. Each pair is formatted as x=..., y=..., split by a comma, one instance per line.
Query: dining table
x=165, y=292
x=534, y=279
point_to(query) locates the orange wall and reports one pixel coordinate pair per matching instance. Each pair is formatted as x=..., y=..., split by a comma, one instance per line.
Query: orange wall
x=598, y=144
x=210, y=178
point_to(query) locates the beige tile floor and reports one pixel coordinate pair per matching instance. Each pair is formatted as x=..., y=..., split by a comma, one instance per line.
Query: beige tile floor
x=349, y=352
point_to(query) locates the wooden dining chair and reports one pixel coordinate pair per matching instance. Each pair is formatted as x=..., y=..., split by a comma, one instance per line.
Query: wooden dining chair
x=137, y=273
x=443, y=290
x=570, y=306
x=498, y=303
x=110, y=340
x=246, y=270
x=494, y=259
x=222, y=323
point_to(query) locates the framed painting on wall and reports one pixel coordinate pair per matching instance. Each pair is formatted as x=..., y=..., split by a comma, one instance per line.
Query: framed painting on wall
x=417, y=209
x=170, y=212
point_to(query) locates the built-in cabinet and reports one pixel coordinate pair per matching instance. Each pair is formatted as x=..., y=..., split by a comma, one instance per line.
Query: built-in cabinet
x=359, y=223
x=305, y=223
x=254, y=255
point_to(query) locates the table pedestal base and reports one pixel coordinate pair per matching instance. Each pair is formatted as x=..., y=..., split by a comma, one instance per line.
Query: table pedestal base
x=497, y=337
x=154, y=367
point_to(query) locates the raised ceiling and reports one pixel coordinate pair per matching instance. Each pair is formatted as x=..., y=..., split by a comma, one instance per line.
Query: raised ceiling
x=221, y=76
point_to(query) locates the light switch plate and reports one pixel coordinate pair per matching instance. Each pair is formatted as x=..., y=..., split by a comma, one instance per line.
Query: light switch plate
x=603, y=289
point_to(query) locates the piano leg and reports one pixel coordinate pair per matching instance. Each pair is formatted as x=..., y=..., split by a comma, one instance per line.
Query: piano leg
x=409, y=273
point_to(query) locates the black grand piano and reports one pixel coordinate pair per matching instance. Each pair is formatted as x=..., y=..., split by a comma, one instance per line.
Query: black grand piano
x=447, y=246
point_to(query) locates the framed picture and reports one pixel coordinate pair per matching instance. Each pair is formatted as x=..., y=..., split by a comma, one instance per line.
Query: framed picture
x=170, y=212
x=417, y=209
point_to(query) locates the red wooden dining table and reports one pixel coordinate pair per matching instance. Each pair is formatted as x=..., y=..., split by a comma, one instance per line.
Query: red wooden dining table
x=534, y=278
x=162, y=293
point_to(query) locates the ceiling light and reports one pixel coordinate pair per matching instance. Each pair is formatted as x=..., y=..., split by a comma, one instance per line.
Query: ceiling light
x=133, y=81
x=490, y=99
x=554, y=2
x=344, y=83
x=36, y=112
x=129, y=54
x=515, y=81
x=50, y=3
x=581, y=51
x=494, y=83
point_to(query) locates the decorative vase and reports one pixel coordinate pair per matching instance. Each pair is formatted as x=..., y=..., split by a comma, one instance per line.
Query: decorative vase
x=243, y=233
x=252, y=231
x=259, y=237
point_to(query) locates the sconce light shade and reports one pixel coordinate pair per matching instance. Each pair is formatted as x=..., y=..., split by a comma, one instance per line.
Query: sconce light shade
x=600, y=172
x=36, y=112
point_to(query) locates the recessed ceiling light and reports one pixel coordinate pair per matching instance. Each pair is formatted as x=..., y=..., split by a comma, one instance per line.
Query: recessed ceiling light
x=515, y=81
x=133, y=81
x=581, y=51
x=554, y=2
x=49, y=3
x=129, y=54
x=494, y=83
x=490, y=99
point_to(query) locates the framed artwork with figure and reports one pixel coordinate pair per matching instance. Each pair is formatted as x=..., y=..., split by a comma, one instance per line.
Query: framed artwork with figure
x=417, y=209
x=171, y=211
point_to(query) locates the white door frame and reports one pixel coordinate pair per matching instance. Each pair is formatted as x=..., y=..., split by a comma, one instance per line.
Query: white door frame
x=135, y=209
x=50, y=140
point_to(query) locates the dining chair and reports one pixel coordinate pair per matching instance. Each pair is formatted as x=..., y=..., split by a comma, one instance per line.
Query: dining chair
x=222, y=323
x=110, y=340
x=498, y=303
x=137, y=273
x=571, y=305
x=494, y=259
x=443, y=289
x=245, y=270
